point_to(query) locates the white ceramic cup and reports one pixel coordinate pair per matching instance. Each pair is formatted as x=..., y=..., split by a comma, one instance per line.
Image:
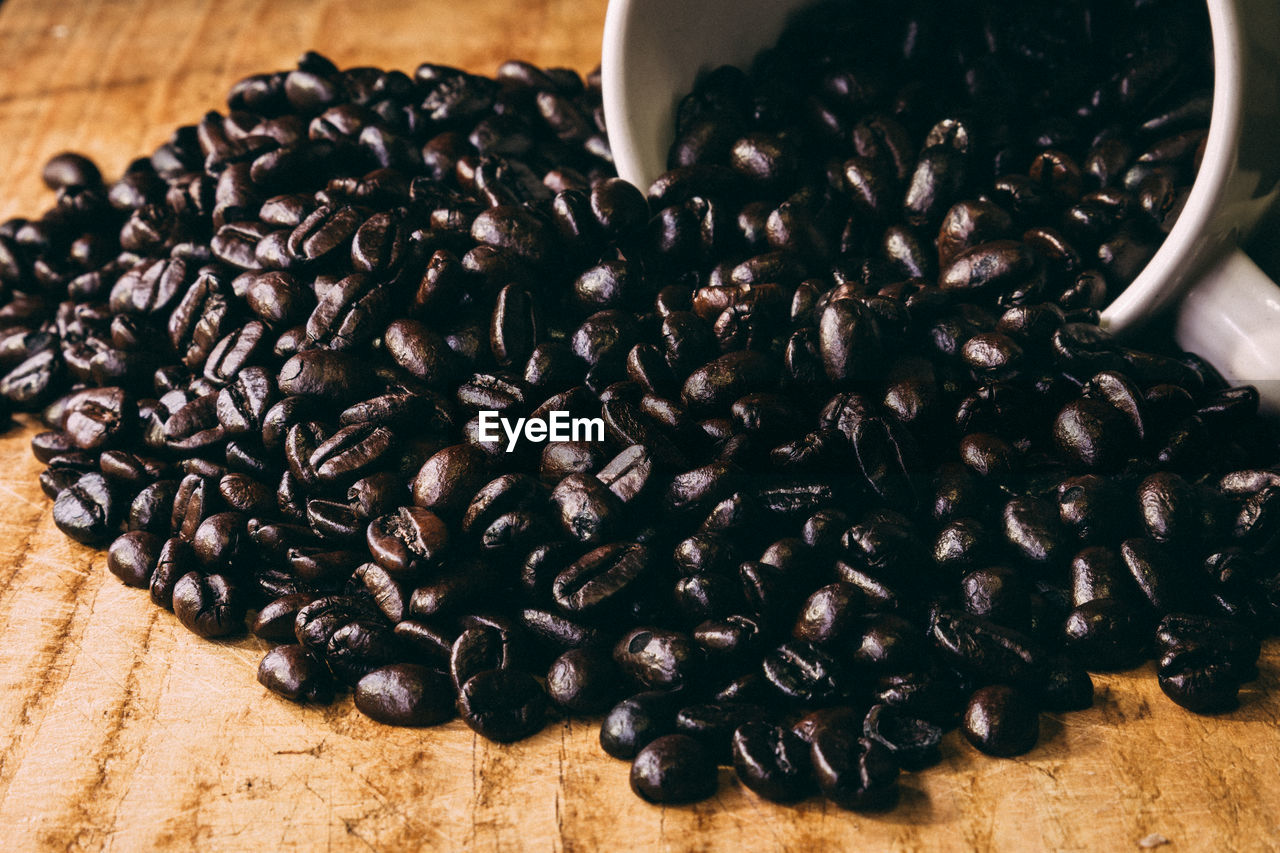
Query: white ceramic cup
x=1227, y=309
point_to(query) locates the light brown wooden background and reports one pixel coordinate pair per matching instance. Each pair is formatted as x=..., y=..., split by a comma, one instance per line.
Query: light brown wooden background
x=121, y=731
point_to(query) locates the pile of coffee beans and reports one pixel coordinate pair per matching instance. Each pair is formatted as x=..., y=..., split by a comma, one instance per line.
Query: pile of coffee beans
x=864, y=467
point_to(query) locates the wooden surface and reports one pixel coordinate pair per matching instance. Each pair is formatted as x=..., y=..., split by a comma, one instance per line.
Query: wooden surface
x=122, y=731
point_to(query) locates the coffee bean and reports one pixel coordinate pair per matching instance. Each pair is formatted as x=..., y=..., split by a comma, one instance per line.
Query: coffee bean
x=803, y=673
x=132, y=558
x=771, y=761
x=853, y=772
x=405, y=694
x=504, y=705
x=657, y=658
x=583, y=681
x=913, y=743
x=601, y=580
x=407, y=541
x=87, y=509
x=294, y=673
x=208, y=605
x=1001, y=721
x=673, y=769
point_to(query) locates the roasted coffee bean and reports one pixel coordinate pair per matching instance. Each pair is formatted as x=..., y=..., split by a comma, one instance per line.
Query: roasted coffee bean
x=913, y=743
x=242, y=406
x=829, y=614
x=728, y=378
x=449, y=478
x=1199, y=680
x=1002, y=721
x=452, y=588
x=637, y=721
x=176, y=560
x=1098, y=572
x=587, y=509
x=209, y=605
x=1092, y=507
x=275, y=619
x=1106, y=634
x=132, y=558
x=294, y=673
x=405, y=694
x=152, y=507
x=221, y=540
x=583, y=681
x=478, y=649
x=1160, y=571
x=604, y=579
x=504, y=705
x=803, y=673
x=1234, y=643
x=1067, y=687
x=408, y=540
x=1032, y=528
x=885, y=642
x=87, y=509
x=987, y=650
x=331, y=375
x=673, y=769
x=853, y=772
x=69, y=169
x=1169, y=508
x=1093, y=435
x=771, y=761
x=656, y=658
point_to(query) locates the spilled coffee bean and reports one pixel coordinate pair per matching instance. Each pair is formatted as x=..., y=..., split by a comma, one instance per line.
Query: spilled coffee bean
x=860, y=464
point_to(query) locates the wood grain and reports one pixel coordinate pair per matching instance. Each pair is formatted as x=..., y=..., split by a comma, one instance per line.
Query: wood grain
x=125, y=732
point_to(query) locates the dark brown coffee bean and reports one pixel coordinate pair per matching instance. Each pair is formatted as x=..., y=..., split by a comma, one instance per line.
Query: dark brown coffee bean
x=208, y=605
x=133, y=556
x=405, y=695
x=853, y=772
x=87, y=510
x=1002, y=721
x=297, y=675
x=504, y=705
x=408, y=540
x=673, y=769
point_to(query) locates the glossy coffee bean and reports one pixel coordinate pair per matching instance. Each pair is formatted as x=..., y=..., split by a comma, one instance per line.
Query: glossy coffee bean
x=656, y=658
x=503, y=705
x=1002, y=721
x=405, y=695
x=209, y=605
x=913, y=743
x=771, y=761
x=673, y=769
x=133, y=556
x=294, y=673
x=636, y=721
x=583, y=681
x=87, y=509
x=853, y=772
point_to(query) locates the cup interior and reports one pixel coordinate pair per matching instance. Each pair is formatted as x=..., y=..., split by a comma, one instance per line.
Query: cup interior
x=653, y=51
x=1200, y=231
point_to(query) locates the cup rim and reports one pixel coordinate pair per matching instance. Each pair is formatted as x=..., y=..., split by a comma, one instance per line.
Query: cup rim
x=1176, y=258
x=622, y=135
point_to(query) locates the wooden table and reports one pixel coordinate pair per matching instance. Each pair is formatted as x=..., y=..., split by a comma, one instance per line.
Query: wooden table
x=123, y=731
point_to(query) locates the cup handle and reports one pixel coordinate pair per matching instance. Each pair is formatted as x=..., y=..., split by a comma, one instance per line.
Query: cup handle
x=1231, y=317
